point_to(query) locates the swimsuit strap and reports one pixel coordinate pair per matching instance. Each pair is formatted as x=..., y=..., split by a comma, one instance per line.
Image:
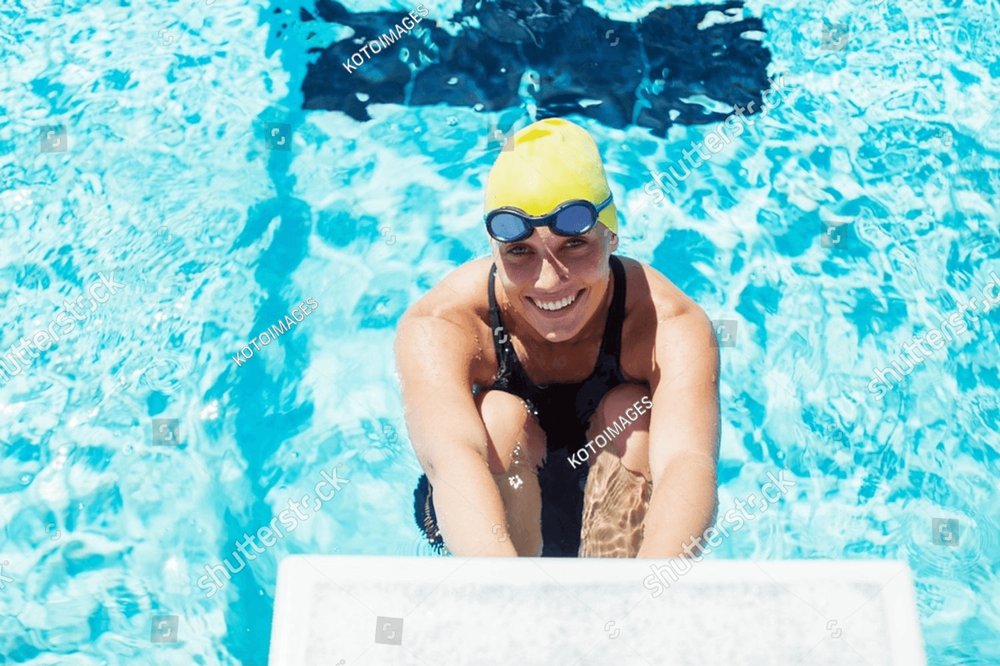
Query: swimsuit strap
x=494, y=311
x=507, y=361
x=611, y=344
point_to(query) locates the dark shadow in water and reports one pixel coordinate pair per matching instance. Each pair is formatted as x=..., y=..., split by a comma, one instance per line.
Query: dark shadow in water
x=617, y=72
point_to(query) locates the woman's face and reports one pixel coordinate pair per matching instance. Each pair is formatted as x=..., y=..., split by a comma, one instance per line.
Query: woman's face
x=556, y=284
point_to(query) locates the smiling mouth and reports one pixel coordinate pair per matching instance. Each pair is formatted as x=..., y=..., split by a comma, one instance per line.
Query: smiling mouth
x=555, y=306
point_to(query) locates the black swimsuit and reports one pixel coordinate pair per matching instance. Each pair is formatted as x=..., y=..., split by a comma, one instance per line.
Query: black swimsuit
x=563, y=412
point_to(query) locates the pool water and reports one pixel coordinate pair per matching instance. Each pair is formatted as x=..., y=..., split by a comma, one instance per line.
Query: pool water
x=164, y=147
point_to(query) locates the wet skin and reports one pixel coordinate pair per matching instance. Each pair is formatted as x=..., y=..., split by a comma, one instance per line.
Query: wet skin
x=469, y=445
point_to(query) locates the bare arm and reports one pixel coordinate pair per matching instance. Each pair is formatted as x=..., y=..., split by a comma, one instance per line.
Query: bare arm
x=434, y=357
x=683, y=436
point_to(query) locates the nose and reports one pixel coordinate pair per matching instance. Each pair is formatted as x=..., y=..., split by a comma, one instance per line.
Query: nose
x=549, y=275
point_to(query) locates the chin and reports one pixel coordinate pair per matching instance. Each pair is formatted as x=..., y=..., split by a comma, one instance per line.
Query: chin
x=554, y=331
x=557, y=334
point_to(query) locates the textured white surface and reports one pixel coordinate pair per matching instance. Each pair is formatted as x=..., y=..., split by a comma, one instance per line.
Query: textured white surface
x=591, y=611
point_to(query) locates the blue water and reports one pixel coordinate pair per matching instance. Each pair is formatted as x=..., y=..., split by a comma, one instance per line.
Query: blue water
x=171, y=178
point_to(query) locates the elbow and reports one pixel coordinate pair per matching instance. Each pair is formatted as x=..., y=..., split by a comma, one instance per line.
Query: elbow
x=444, y=466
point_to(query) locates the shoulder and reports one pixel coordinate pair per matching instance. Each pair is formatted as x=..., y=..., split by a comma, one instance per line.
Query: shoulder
x=451, y=316
x=659, y=300
x=661, y=319
x=458, y=297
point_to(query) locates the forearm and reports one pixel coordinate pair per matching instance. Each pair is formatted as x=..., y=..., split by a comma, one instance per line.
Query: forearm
x=469, y=510
x=681, y=508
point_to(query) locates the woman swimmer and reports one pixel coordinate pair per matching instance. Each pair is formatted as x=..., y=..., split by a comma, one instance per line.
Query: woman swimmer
x=556, y=412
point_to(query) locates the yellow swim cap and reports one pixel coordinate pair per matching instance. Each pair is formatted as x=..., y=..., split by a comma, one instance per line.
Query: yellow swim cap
x=551, y=162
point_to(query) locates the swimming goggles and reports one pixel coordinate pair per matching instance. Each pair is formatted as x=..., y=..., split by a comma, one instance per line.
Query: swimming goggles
x=573, y=218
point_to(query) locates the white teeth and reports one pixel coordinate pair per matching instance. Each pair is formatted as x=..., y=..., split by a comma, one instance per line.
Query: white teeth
x=555, y=305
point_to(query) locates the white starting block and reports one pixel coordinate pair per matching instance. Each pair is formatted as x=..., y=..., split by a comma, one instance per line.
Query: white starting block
x=348, y=611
